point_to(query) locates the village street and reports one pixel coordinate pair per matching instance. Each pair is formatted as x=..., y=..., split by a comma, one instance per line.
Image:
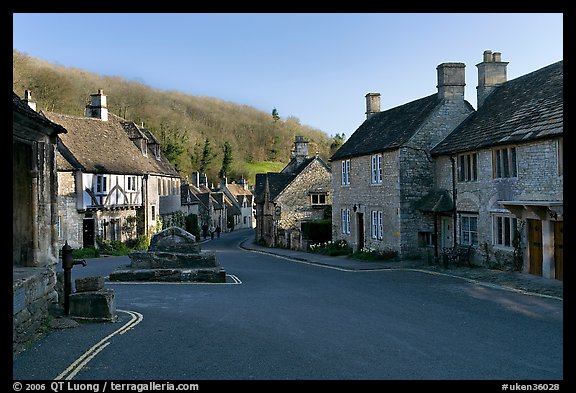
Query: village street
x=280, y=319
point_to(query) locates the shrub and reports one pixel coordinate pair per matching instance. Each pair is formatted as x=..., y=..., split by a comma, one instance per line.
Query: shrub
x=319, y=231
x=331, y=248
x=87, y=252
x=371, y=254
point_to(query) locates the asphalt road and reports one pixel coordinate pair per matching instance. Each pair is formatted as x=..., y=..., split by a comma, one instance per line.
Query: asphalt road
x=287, y=320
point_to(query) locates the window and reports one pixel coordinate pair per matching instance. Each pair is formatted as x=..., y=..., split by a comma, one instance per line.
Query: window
x=345, y=178
x=426, y=238
x=101, y=184
x=467, y=167
x=376, y=169
x=504, y=230
x=376, y=225
x=345, y=220
x=153, y=216
x=504, y=163
x=131, y=183
x=101, y=188
x=468, y=230
x=59, y=226
x=560, y=156
x=318, y=198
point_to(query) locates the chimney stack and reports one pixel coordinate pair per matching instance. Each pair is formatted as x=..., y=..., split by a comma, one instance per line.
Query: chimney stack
x=300, y=151
x=28, y=99
x=451, y=81
x=372, y=104
x=195, y=179
x=491, y=74
x=97, y=108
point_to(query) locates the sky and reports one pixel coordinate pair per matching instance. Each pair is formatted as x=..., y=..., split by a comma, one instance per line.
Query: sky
x=317, y=67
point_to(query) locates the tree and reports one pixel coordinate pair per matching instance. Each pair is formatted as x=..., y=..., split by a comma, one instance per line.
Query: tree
x=226, y=161
x=337, y=142
x=207, y=157
x=275, y=115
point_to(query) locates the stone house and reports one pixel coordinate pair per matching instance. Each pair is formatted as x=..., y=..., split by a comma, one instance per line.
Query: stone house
x=507, y=162
x=241, y=200
x=210, y=206
x=286, y=199
x=34, y=216
x=114, y=182
x=384, y=168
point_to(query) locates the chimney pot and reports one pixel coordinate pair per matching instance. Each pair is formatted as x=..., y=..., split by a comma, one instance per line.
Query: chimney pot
x=491, y=74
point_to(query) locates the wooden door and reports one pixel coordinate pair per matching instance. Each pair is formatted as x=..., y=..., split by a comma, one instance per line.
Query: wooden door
x=559, y=250
x=535, y=246
x=88, y=232
x=360, y=229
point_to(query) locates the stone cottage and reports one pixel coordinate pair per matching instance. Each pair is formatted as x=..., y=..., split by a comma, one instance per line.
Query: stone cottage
x=385, y=167
x=286, y=199
x=507, y=162
x=34, y=216
x=114, y=182
x=241, y=200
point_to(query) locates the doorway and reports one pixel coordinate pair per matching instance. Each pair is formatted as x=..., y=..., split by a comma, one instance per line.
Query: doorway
x=535, y=246
x=559, y=250
x=360, y=230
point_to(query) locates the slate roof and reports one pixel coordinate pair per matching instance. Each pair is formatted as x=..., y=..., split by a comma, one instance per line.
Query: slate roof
x=105, y=146
x=23, y=109
x=523, y=109
x=389, y=129
x=435, y=201
x=278, y=181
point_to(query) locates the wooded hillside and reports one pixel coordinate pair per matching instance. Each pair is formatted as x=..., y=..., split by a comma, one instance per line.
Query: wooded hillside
x=183, y=123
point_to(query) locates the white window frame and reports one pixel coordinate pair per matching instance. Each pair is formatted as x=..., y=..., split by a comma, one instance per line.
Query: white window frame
x=376, y=225
x=468, y=236
x=101, y=185
x=131, y=183
x=345, y=173
x=504, y=228
x=376, y=169
x=345, y=221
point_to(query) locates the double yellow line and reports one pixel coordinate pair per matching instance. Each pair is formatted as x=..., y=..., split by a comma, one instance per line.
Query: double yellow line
x=79, y=363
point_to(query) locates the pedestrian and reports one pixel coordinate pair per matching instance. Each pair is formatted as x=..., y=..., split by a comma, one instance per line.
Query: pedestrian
x=218, y=230
x=205, y=231
x=212, y=230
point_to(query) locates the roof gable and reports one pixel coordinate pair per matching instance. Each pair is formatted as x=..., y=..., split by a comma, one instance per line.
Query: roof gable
x=388, y=129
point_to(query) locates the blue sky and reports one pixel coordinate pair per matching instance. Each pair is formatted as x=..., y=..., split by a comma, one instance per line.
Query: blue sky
x=316, y=67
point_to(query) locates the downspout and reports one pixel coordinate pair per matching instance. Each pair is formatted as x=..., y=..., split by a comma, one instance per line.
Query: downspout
x=453, y=161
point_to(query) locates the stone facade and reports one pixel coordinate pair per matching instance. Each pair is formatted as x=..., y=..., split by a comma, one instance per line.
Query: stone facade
x=539, y=179
x=34, y=215
x=301, y=192
x=406, y=178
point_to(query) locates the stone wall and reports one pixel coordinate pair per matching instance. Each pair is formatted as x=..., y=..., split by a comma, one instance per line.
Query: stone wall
x=295, y=200
x=33, y=294
x=408, y=175
x=70, y=220
x=538, y=180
